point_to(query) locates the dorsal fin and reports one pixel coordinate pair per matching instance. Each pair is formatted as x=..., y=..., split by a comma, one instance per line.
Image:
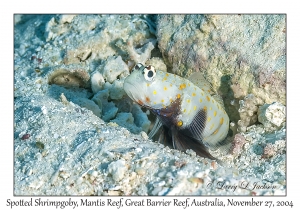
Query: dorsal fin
x=198, y=79
x=219, y=99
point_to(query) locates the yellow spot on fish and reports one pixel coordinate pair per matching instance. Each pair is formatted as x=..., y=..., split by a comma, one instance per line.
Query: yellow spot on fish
x=182, y=86
x=202, y=93
x=162, y=100
x=167, y=74
x=154, y=92
x=221, y=120
x=215, y=113
x=213, y=101
x=193, y=94
x=165, y=78
x=171, y=100
x=188, y=100
x=165, y=88
x=216, y=131
x=184, y=110
x=154, y=102
x=148, y=84
x=189, y=84
x=178, y=95
x=171, y=85
x=207, y=97
x=210, y=108
x=179, y=123
x=200, y=100
x=211, y=127
x=195, y=107
x=205, y=108
x=208, y=119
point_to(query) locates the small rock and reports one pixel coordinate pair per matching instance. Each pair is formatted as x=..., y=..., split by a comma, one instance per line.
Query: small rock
x=63, y=99
x=196, y=180
x=113, y=192
x=272, y=115
x=237, y=144
x=164, y=191
x=144, y=135
x=117, y=169
x=269, y=151
x=25, y=136
x=40, y=145
x=97, y=82
x=114, y=67
x=156, y=190
x=140, y=171
x=64, y=174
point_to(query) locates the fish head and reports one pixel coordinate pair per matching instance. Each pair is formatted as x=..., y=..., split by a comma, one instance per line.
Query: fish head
x=144, y=86
x=136, y=85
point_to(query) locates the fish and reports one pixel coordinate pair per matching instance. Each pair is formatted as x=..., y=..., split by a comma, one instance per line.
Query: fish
x=189, y=114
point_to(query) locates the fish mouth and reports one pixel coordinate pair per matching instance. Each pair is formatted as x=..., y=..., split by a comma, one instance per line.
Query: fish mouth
x=130, y=88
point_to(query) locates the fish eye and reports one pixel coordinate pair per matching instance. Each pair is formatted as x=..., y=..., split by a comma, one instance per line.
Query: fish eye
x=149, y=73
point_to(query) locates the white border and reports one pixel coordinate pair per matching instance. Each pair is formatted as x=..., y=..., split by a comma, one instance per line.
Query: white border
x=153, y=6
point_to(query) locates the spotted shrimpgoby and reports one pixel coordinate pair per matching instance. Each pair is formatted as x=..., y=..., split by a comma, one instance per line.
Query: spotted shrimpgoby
x=188, y=114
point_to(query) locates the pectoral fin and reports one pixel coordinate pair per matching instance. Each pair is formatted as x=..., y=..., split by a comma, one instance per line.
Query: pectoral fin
x=183, y=142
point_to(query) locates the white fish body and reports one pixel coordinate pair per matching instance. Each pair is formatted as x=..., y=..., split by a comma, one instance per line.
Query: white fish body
x=189, y=111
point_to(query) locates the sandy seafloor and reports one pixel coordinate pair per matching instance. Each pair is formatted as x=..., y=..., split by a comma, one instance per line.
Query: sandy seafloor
x=76, y=132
